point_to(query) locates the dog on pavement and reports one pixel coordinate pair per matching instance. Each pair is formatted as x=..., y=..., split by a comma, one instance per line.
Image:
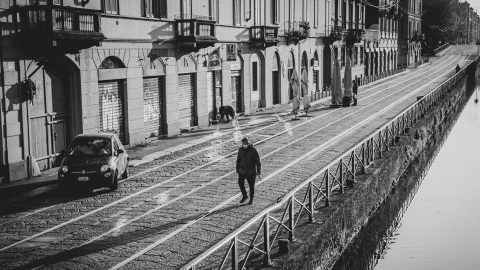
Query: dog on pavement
x=226, y=111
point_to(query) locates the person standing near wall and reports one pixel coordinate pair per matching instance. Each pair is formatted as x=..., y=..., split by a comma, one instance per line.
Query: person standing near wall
x=354, y=91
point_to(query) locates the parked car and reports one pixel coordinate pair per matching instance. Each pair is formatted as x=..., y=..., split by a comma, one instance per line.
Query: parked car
x=94, y=160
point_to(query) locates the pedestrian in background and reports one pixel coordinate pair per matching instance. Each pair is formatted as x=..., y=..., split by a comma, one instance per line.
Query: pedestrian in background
x=248, y=167
x=354, y=91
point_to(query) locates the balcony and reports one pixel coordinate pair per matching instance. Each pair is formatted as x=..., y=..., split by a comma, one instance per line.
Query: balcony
x=194, y=31
x=50, y=28
x=353, y=36
x=416, y=37
x=264, y=36
x=297, y=30
x=336, y=34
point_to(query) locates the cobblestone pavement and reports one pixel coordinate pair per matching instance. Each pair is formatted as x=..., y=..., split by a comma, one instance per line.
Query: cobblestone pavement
x=172, y=209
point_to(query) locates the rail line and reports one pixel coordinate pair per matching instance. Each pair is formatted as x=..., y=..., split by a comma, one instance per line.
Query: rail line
x=411, y=113
x=157, y=185
x=207, y=149
x=313, y=151
x=324, y=145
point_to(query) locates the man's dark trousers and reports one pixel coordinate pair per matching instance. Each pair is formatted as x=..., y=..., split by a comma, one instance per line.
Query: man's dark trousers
x=251, y=184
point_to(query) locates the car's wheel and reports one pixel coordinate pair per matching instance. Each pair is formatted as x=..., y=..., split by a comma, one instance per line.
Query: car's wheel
x=114, y=183
x=125, y=174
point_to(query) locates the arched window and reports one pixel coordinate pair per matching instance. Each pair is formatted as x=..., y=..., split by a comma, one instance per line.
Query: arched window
x=111, y=62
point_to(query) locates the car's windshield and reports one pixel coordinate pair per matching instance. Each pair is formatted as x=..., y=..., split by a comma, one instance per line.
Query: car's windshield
x=90, y=147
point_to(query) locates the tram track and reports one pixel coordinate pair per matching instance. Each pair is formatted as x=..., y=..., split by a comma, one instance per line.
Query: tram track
x=377, y=93
x=155, y=168
x=152, y=187
x=270, y=176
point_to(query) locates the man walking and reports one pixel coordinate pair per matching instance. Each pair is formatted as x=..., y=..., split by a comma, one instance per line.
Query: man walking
x=248, y=166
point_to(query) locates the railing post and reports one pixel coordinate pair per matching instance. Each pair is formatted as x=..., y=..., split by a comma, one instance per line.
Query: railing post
x=235, y=254
x=341, y=176
x=372, y=150
x=63, y=18
x=266, y=241
x=380, y=144
x=327, y=188
x=363, y=158
x=353, y=168
x=387, y=137
x=291, y=221
x=310, y=202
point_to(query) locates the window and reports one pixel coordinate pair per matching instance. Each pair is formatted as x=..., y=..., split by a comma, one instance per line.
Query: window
x=110, y=6
x=255, y=75
x=248, y=11
x=186, y=8
x=361, y=56
x=357, y=16
x=304, y=11
x=336, y=12
x=315, y=13
x=155, y=8
x=350, y=15
x=291, y=10
x=275, y=11
x=236, y=12
x=344, y=14
x=212, y=9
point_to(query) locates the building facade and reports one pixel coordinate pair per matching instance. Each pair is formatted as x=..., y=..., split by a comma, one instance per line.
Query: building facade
x=381, y=41
x=152, y=68
x=410, y=33
x=346, y=33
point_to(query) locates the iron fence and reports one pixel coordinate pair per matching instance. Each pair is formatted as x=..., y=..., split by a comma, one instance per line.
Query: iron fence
x=320, y=187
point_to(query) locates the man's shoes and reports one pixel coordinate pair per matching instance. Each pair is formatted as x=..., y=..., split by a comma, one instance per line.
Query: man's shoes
x=244, y=198
x=250, y=202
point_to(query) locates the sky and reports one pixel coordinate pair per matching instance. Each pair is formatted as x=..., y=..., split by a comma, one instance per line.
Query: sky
x=475, y=4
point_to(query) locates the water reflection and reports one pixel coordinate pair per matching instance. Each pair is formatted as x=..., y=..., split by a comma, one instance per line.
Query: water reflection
x=440, y=230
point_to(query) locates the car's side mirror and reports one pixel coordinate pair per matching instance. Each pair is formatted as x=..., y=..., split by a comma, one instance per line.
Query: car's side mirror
x=120, y=151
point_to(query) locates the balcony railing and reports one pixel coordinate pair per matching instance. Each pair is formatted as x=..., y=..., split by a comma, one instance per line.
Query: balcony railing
x=264, y=36
x=336, y=34
x=195, y=31
x=297, y=30
x=57, y=26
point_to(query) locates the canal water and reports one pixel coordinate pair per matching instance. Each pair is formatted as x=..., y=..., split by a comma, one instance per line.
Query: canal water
x=436, y=224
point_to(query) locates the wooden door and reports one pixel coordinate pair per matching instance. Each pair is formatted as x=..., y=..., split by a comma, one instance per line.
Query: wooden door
x=48, y=119
x=237, y=93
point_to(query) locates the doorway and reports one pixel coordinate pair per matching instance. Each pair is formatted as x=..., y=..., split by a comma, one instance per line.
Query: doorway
x=48, y=116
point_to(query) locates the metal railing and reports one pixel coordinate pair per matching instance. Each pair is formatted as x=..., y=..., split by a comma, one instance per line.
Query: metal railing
x=441, y=48
x=375, y=77
x=194, y=27
x=194, y=17
x=297, y=28
x=264, y=33
x=46, y=18
x=337, y=175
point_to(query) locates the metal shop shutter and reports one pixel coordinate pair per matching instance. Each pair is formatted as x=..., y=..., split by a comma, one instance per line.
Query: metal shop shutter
x=186, y=106
x=111, y=107
x=210, y=92
x=153, y=106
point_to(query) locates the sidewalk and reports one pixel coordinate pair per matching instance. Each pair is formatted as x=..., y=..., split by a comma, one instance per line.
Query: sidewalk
x=158, y=148
x=145, y=153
